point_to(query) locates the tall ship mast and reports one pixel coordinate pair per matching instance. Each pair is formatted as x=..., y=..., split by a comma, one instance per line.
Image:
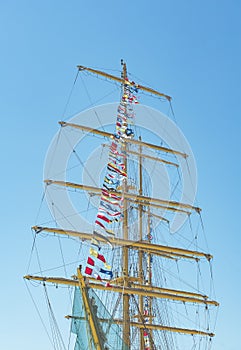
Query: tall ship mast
x=137, y=283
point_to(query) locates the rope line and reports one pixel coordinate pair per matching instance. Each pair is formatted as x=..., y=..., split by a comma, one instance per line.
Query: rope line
x=70, y=95
x=39, y=314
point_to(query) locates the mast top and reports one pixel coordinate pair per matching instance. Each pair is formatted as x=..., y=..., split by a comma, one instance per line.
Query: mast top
x=124, y=70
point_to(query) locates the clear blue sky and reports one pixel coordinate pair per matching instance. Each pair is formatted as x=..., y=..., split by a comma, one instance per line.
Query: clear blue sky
x=188, y=49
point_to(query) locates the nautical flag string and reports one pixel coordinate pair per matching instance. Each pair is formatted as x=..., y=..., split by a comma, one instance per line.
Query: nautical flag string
x=95, y=267
x=91, y=272
x=110, y=207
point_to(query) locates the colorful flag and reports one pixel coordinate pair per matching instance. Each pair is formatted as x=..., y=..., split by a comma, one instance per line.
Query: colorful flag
x=90, y=261
x=100, y=224
x=111, y=200
x=103, y=217
x=109, y=188
x=94, y=253
x=108, y=207
x=88, y=270
x=118, y=213
x=106, y=272
x=113, y=168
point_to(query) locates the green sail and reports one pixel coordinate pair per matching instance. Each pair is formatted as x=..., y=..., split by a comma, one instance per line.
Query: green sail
x=110, y=334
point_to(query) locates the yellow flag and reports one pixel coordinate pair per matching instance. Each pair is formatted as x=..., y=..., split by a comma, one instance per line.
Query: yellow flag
x=93, y=252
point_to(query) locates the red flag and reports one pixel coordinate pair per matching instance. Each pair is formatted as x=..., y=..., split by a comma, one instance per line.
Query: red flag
x=90, y=261
x=105, y=192
x=100, y=224
x=112, y=195
x=101, y=257
x=112, y=167
x=113, y=146
x=88, y=270
x=102, y=217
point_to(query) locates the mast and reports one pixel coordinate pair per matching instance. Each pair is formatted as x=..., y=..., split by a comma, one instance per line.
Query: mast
x=126, y=297
x=149, y=268
x=140, y=254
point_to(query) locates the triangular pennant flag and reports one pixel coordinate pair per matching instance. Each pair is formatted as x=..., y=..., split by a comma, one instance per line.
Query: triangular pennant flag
x=100, y=224
x=118, y=213
x=110, y=200
x=97, y=277
x=108, y=206
x=101, y=258
x=103, y=217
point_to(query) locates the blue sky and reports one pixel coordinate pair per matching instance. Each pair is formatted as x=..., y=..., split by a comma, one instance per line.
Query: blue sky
x=189, y=49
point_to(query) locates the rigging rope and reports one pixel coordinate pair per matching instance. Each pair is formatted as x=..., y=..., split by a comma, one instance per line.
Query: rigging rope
x=91, y=103
x=39, y=314
x=70, y=95
x=57, y=338
x=153, y=347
